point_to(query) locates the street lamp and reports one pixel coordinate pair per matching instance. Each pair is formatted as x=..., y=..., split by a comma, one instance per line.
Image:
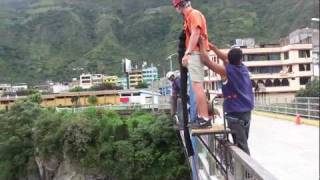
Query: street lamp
x=315, y=19
x=170, y=58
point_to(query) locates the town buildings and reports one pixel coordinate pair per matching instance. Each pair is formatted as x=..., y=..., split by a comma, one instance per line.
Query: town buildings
x=277, y=71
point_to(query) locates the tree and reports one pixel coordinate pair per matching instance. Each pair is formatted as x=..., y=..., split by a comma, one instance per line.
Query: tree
x=105, y=86
x=142, y=85
x=36, y=98
x=16, y=140
x=92, y=100
x=77, y=89
x=311, y=90
x=75, y=100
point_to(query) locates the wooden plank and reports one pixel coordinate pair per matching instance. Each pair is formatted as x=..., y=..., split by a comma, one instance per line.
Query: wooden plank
x=215, y=129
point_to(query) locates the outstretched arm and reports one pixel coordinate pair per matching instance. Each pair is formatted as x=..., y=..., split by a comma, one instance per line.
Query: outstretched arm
x=210, y=64
x=219, y=53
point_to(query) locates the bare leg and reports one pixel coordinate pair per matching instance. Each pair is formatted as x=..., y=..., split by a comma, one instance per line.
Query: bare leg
x=202, y=106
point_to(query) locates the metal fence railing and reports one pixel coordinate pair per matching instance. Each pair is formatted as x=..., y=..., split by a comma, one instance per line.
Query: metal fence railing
x=307, y=107
x=121, y=107
x=218, y=159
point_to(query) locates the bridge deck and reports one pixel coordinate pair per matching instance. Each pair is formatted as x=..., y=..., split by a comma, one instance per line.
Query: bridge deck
x=287, y=150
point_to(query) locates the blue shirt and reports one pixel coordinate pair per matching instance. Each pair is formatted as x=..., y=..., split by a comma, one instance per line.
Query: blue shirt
x=176, y=86
x=237, y=91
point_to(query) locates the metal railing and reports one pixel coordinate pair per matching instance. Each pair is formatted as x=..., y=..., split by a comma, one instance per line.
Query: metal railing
x=307, y=107
x=120, y=107
x=219, y=159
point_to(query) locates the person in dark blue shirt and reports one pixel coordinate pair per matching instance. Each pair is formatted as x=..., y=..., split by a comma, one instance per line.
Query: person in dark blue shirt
x=176, y=90
x=237, y=91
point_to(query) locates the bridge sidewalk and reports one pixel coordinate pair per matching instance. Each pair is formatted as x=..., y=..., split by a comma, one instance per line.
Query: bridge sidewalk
x=289, y=151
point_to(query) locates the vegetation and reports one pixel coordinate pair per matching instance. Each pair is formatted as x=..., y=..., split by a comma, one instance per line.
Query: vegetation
x=100, y=142
x=76, y=89
x=142, y=85
x=105, y=86
x=49, y=40
x=92, y=100
x=311, y=90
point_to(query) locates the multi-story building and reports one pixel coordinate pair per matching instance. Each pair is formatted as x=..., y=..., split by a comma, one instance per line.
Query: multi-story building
x=135, y=77
x=85, y=81
x=19, y=87
x=111, y=80
x=275, y=71
x=150, y=74
x=97, y=79
x=88, y=80
x=4, y=88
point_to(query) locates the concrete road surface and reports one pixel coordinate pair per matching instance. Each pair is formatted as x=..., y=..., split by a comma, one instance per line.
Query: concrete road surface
x=289, y=151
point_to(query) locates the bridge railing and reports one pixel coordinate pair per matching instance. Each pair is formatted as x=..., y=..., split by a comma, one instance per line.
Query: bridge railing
x=218, y=159
x=307, y=107
x=120, y=107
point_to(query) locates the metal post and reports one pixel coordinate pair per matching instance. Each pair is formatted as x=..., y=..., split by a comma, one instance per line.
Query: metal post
x=152, y=95
x=238, y=171
x=170, y=63
x=295, y=105
x=309, y=108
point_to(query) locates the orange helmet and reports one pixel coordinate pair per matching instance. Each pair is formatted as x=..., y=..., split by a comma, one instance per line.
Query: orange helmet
x=175, y=3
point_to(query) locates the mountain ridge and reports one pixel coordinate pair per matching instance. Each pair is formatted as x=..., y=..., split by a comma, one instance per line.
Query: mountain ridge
x=45, y=39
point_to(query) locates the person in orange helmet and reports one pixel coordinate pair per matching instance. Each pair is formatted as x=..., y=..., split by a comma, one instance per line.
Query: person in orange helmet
x=195, y=26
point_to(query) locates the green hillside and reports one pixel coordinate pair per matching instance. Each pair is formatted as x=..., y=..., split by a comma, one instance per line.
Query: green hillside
x=45, y=39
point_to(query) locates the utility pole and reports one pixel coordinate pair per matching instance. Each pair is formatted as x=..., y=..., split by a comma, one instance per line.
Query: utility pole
x=170, y=59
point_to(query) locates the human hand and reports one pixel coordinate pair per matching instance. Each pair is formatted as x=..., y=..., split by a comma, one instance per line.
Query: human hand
x=185, y=60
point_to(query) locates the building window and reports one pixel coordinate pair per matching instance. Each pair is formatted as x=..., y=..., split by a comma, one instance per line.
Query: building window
x=304, y=53
x=276, y=83
x=265, y=70
x=304, y=67
x=301, y=67
x=286, y=55
x=206, y=73
x=274, y=56
x=304, y=80
x=253, y=83
x=268, y=83
x=260, y=82
x=308, y=67
x=263, y=57
x=285, y=82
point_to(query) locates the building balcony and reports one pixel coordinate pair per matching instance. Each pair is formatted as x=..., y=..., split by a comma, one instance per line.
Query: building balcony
x=281, y=75
x=283, y=89
x=277, y=62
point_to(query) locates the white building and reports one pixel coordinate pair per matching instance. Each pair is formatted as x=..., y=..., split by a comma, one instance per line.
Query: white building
x=58, y=88
x=85, y=81
x=19, y=87
x=97, y=79
x=139, y=97
x=4, y=87
x=282, y=70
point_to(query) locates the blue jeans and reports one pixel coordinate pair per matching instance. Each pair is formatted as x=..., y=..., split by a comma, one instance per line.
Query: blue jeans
x=239, y=124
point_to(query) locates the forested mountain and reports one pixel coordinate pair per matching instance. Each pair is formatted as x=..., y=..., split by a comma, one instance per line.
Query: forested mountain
x=46, y=39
